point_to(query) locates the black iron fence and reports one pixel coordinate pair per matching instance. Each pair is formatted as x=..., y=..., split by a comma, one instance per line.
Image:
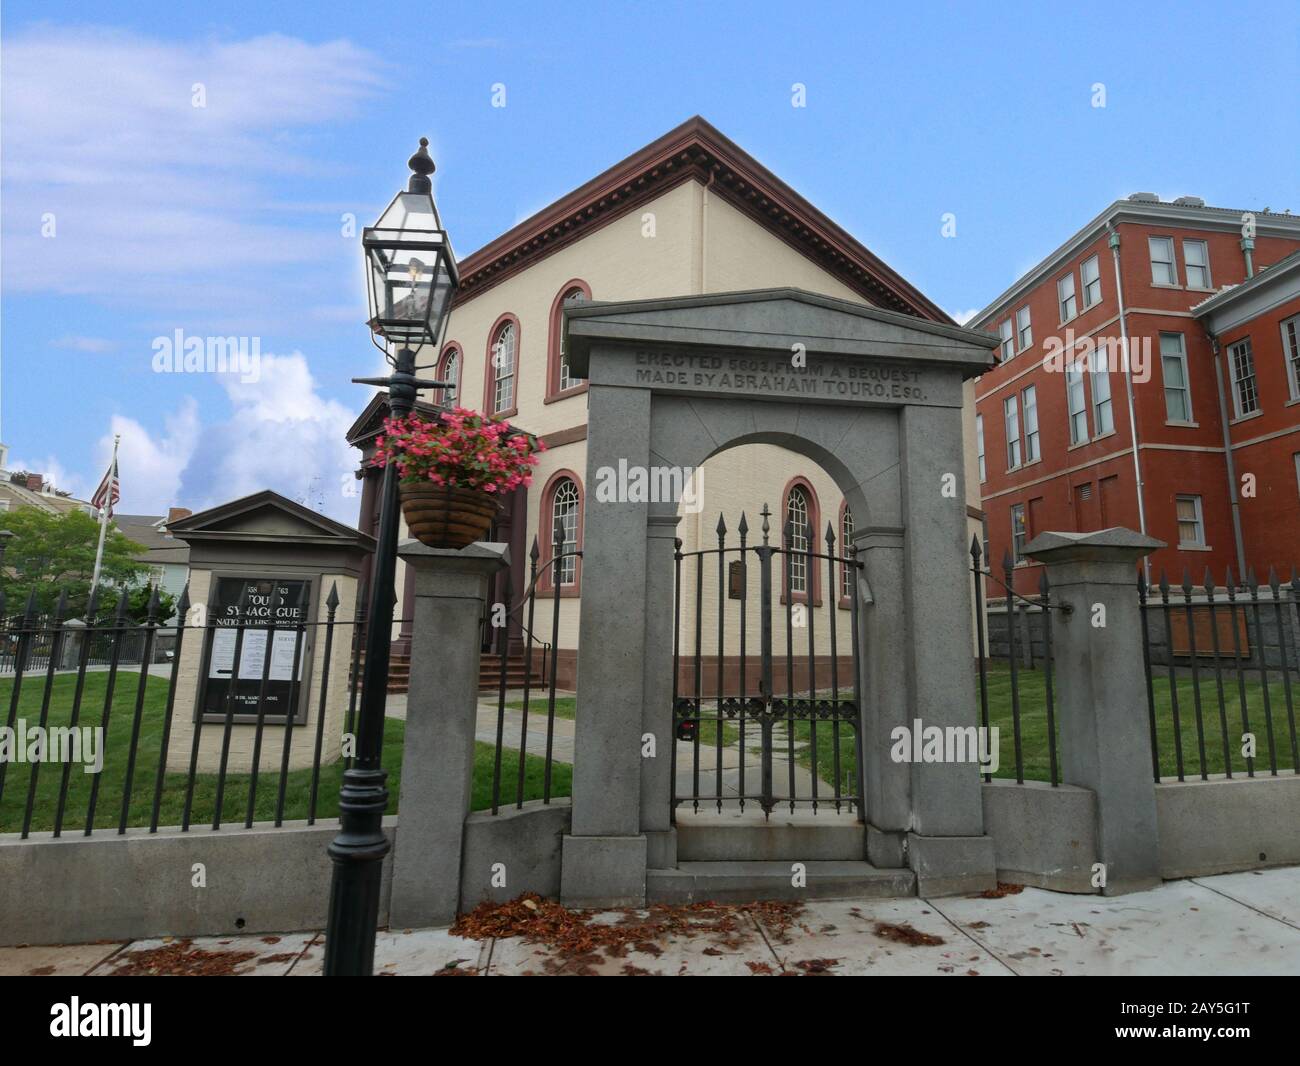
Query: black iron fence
x=90, y=738
x=536, y=752
x=1011, y=695
x=804, y=728
x=1221, y=664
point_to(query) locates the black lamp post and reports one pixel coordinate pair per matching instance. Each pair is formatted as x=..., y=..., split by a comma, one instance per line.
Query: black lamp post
x=411, y=275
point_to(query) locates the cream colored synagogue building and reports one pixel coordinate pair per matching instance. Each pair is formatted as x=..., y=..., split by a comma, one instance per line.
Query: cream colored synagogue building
x=691, y=213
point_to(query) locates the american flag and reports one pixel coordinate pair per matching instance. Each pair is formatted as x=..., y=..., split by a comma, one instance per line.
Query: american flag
x=107, y=494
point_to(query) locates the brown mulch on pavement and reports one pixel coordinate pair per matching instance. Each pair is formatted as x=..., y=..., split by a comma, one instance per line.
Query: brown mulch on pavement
x=179, y=959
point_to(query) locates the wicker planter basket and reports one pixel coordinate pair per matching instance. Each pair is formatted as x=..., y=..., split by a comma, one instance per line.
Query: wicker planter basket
x=444, y=517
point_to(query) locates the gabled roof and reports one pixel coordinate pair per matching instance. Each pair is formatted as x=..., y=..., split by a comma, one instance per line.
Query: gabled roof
x=695, y=150
x=772, y=320
x=267, y=516
x=1271, y=285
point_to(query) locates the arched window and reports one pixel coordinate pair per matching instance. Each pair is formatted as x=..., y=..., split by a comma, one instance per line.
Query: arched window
x=796, y=517
x=561, y=517
x=844, y=548
x=503, y=353
x=564, y=526
x=449, y=371
x=560, y=380
x=567, y=380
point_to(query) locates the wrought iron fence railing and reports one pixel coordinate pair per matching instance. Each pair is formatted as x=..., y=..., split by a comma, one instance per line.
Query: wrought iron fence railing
x=1221, y=665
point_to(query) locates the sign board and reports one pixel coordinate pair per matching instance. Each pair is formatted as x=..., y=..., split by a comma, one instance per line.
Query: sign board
x=267, y=612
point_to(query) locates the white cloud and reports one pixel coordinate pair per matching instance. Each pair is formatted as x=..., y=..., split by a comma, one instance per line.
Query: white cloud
x=150, y=470
x=962, y=317
x=156, y=202
x=97, y=345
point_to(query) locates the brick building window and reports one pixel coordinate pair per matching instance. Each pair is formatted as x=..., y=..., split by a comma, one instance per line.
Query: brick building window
x=1011, y=420
x=1077, y=404
x=1196, y=261
x=1091, y=274
x=1103, y=416
x=449, y=371
x=503, y=368
x=1065, y=297
x=979, y=441
x=1291, y=353
x=845, y=545
x=1024, y=330
x=1173, y=364
x=1245, y=396
x=1008, y=341
x=1191, y=523
x=1029, y=400
x=1162, y=261
x=797, y=516
x=564, y=522
x=1017, y=531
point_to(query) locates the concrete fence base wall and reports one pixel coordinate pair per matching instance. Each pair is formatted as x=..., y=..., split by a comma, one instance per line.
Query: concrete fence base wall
x=1042, y=836
x=1220, y=825
x=260, y=880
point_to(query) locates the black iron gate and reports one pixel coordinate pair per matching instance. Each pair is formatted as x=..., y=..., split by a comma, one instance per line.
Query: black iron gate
x=751, y=726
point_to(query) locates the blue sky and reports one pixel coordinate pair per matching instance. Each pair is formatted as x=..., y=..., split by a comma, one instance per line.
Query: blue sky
x=228, y=219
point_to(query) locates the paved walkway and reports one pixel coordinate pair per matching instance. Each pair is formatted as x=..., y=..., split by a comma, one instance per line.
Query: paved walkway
x=1246, y=923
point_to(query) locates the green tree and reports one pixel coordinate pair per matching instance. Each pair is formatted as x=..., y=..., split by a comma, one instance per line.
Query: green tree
x=53, y=553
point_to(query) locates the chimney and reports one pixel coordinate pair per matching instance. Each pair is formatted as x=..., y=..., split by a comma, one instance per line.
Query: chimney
x=35, y=482
x=175, y=514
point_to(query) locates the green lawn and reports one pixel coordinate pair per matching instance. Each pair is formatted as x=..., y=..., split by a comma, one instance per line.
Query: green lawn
x=234, y=805
x=1033, y=727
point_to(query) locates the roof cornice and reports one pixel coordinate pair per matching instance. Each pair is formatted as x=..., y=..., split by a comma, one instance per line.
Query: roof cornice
x=697, y=151
x=1267, y=223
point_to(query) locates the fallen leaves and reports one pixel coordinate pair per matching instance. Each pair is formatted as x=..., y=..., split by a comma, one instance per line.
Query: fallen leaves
x=180, y=959
x=1002, y=890
x=905, y=934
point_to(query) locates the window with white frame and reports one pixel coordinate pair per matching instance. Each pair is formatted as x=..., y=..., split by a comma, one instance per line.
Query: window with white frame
x=1196, y=261
x=1029, y=404
x=1191, y=522
x=451, y=375
x=564, y=527
x=1008, y=340
x=1173, y=364
x=1077, y=403
x=503, y=368
x=1011, y=419
x=1103, y=414
x=567, y=380
x=846, y=543
x=796, y=517
x=1065, y=297
x=1024, y=332
x=1295, y=457
x=1245, y=396
x=1017, y=531
x=1291, y=353
x=1091, y=274
x=979, y=444
x=1162, y=260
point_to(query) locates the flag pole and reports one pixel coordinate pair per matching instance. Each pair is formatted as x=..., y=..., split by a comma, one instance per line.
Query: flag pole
x=103, y=516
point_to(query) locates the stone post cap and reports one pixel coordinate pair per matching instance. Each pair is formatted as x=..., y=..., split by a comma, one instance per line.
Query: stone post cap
x=1114, y=545
x=482, y=554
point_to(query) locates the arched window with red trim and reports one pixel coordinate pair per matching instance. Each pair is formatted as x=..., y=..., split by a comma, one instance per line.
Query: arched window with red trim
x=561, y=524
x=560, y=381
x=844, y=548
x=501, y=374
x=449, y=367
x=800, y=516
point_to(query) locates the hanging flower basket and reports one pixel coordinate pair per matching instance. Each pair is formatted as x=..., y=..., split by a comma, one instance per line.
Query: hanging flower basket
x=443, y=517
x=454, y=472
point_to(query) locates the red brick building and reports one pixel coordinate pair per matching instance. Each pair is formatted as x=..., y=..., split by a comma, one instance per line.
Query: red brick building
x=1211, y=380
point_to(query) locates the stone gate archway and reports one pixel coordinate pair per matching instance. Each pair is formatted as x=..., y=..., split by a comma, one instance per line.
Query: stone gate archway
x=875, y=398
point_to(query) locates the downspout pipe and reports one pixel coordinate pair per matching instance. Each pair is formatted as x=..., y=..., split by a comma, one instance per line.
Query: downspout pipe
x=1248, y=253
x=1113, y=242
x=1233, y=496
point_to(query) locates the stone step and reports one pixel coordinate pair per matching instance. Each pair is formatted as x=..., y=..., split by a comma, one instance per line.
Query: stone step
x=704, y=838
x=740, y=882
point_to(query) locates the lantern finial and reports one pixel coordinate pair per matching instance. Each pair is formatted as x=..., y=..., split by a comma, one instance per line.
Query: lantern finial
x=421, y=165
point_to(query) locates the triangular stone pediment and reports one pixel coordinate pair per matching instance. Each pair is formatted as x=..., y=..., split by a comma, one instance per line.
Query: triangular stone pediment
x=267, y=516
x=775, y=320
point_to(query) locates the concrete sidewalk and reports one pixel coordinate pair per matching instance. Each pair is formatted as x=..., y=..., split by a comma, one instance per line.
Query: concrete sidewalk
x=1244, y=923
